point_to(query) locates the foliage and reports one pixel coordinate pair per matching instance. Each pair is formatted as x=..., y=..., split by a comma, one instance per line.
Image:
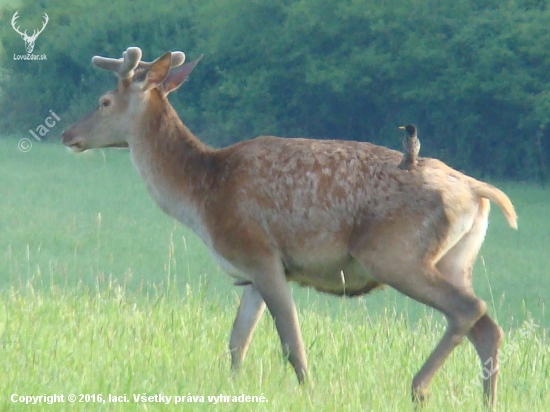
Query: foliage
x=472, y=75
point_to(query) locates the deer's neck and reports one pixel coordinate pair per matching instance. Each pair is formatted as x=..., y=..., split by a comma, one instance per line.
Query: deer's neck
x=177, y=168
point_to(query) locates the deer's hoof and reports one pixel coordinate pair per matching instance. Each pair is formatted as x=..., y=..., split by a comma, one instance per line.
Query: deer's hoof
x=420, y=397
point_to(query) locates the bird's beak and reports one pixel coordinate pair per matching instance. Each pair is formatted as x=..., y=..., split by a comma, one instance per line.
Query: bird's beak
x=401, y=127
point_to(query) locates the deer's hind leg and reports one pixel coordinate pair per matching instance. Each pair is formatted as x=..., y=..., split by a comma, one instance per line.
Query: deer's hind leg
x=485, y=335
x=251, y=309
x=393, y=258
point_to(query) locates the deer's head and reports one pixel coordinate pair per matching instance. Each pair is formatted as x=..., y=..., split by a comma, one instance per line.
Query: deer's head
x=29, y=40
x=140, y=93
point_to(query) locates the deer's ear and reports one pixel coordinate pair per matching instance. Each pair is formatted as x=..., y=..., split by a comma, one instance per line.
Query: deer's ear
x=157, y=72
x=177, y=76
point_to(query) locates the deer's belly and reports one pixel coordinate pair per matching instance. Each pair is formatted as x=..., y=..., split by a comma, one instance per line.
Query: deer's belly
x=345, y=276
x=341, y=276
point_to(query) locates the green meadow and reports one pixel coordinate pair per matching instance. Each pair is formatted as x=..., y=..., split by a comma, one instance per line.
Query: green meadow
x=102, y=294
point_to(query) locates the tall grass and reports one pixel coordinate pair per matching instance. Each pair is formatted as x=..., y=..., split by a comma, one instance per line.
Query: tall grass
x=173, y=341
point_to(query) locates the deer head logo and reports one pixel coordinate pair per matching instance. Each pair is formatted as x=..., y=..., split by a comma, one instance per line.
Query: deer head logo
x=29, y=40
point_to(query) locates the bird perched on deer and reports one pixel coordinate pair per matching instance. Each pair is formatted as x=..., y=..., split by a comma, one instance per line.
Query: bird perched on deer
x=411, y=148
x=339, y=216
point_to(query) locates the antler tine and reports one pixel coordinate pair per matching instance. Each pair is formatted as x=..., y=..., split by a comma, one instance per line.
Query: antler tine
x=131, y=59
x=106, y=63
x=124, y=68
x=178, y=58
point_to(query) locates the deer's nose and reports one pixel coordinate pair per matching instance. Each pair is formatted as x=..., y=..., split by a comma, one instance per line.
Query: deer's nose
x=68, y=138
x=65, y=136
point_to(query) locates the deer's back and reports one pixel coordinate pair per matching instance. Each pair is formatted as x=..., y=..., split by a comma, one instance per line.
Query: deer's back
x=310, y=188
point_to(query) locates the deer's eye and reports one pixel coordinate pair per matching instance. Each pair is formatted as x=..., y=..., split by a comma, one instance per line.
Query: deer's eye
x=105, y=102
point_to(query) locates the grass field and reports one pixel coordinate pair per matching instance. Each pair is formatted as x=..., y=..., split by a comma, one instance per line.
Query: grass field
x=103, y=294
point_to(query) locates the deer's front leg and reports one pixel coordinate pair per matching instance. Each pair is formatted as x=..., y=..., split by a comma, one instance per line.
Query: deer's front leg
x=274, y=289
x=251, y=308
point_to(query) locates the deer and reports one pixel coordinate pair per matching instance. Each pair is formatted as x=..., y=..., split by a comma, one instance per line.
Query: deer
x=338, y=216
x=29, y=40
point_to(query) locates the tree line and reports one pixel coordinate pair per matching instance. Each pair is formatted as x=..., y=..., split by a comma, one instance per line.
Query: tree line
x=471, y=74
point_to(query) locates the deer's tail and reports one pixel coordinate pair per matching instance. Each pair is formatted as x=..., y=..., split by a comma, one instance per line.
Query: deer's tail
x=498, y=196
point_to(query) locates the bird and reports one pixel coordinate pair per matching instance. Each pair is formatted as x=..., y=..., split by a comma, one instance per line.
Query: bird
x=411, y=148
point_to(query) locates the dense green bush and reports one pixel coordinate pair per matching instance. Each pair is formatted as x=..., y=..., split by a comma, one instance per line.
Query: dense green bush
x=471, y=74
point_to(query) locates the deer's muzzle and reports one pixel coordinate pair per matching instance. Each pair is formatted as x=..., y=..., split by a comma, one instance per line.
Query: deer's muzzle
x=74, y=142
